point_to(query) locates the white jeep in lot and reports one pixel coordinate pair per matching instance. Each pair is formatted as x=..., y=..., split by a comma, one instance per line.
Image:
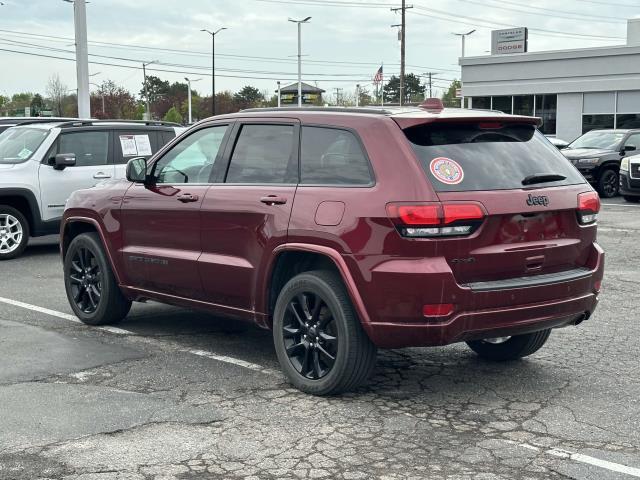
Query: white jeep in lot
x=41, y=164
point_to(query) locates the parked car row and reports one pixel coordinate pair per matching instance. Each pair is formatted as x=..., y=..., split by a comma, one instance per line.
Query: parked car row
x=344, y=231
x=43, y=162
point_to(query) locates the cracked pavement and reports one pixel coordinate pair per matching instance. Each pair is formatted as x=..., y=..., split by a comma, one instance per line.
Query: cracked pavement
x=84, y=404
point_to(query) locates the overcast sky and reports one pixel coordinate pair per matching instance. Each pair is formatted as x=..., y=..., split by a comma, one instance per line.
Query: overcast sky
x=344, y=43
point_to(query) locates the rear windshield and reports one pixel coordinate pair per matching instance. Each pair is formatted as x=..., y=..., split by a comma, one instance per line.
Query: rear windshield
x=18, y=144
x=462, y=157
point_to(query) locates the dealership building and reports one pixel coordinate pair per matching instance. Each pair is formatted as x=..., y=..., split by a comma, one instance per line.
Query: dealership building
x=573, y=91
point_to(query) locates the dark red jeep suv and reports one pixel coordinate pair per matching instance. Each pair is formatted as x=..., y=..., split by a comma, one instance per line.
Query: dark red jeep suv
x=344, y=230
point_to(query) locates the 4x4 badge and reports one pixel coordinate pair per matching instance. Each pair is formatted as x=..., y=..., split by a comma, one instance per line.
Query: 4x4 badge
x=539, y=200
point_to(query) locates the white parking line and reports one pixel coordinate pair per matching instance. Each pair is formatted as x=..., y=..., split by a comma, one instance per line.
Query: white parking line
x=120, y=331
x=617, y=230
x=581, y=458
x=631, y=205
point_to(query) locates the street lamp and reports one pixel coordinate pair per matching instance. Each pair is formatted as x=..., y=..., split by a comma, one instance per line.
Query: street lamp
x=463, y=36
x=213, y=66
x=146, y=94
x=189, y=93
x=300, y=22
x=101, y=92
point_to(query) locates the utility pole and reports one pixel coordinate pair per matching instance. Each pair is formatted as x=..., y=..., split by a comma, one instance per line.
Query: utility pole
x=213, y=66
x=82, y=57
x=300, y=22
x=357, y=95
x=430, y=83
x=338, y=94
x=403, y=10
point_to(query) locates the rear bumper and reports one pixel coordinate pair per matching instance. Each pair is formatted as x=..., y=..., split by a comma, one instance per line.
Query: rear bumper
x=478, y=313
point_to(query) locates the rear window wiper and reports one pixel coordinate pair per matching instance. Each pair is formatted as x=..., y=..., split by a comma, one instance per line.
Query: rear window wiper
x=542, y=178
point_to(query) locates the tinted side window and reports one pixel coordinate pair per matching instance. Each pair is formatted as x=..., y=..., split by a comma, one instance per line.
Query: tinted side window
x=264, y=154
x=134, y=143
x=331, y=156
x=192, y=159
x=90, y=148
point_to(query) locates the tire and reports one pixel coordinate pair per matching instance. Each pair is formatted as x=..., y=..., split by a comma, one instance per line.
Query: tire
x=14, y=233
x=631, y=199
x=515, y=347
x=608, y=183
x=87, y=271
x=328, y=308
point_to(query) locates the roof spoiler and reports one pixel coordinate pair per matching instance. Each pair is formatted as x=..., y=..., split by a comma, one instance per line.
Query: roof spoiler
x=408, y=122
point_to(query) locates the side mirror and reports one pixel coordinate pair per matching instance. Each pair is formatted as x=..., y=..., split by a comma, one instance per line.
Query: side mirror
x=628, y=148
x=64, y=160
x=137, y=170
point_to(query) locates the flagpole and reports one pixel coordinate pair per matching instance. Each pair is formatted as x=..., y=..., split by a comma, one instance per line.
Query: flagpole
x=382, y=86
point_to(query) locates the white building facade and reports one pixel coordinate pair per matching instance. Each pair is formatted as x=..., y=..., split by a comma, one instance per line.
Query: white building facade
x=573, y=91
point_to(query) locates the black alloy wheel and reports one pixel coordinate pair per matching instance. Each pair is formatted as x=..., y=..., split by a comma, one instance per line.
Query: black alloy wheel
x=608, y=184
x=310, y=335
x=85, y=278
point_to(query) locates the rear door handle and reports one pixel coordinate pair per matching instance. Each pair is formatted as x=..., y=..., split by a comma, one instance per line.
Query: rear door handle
x=187, y=197
x=101, y=175
x=273, y=200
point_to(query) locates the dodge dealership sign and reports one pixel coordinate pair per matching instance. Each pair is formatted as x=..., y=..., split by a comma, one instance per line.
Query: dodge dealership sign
x=510, y=40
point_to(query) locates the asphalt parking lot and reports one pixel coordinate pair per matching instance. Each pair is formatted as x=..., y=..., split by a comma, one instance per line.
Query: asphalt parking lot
x=172, y=393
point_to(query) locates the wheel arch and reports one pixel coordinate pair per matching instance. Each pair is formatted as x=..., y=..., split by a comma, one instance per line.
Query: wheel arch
x=74, y=226
x=291, y=259
x=24, y=201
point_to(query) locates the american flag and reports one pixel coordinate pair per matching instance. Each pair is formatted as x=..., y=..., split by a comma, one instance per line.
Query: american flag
x=378, y=76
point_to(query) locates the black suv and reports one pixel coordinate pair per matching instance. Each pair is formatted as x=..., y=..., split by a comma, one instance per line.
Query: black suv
x=597, y=154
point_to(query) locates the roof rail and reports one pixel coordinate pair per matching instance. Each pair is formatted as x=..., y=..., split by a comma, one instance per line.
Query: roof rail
x=40, y=120
x=89, y=123
x=369, y=110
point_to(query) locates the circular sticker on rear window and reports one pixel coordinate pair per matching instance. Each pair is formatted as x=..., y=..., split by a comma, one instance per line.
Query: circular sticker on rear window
x=446, y=170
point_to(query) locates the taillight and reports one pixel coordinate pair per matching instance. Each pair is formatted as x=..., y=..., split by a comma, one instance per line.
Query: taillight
x=588, y=207
x=435, y=219
x=437, y=310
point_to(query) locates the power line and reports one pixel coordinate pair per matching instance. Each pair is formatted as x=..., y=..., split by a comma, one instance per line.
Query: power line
x=351, y=4
x=208, y=54
x=557, y=13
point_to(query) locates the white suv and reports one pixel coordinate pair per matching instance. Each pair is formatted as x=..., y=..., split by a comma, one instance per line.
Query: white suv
x=42, y=164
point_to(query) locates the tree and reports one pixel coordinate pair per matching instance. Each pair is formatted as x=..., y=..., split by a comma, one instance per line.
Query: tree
x=118, y=102
x=248, y=97
x=365, y=97
x=56, y=92
x=173, y=116
x=413, y=89
x=449, y=97
x=37, y=105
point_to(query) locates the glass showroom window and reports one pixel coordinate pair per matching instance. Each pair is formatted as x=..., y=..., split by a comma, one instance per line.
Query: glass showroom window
x=523, y=105
x=502, y=103
x=483, y=103
x=597, y=122
x=628, y=109
x=628, y=120
x=546, y=108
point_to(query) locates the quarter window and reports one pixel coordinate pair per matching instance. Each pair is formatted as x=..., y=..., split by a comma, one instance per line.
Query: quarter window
x=192, y=159
x=332, y=157
x=90, y=148
x=264, y=154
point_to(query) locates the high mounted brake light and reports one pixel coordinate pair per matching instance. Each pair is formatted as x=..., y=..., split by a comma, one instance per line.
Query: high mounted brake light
x=435, y=219
x=588, y=208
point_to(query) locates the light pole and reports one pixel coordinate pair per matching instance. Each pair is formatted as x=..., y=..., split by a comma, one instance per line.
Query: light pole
x=82, y=56
x=278, y=93
x=300, y=22
x=189, y=93
x=213, y=66
x=144, y=85
x=101, y=93
x=463, y=36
